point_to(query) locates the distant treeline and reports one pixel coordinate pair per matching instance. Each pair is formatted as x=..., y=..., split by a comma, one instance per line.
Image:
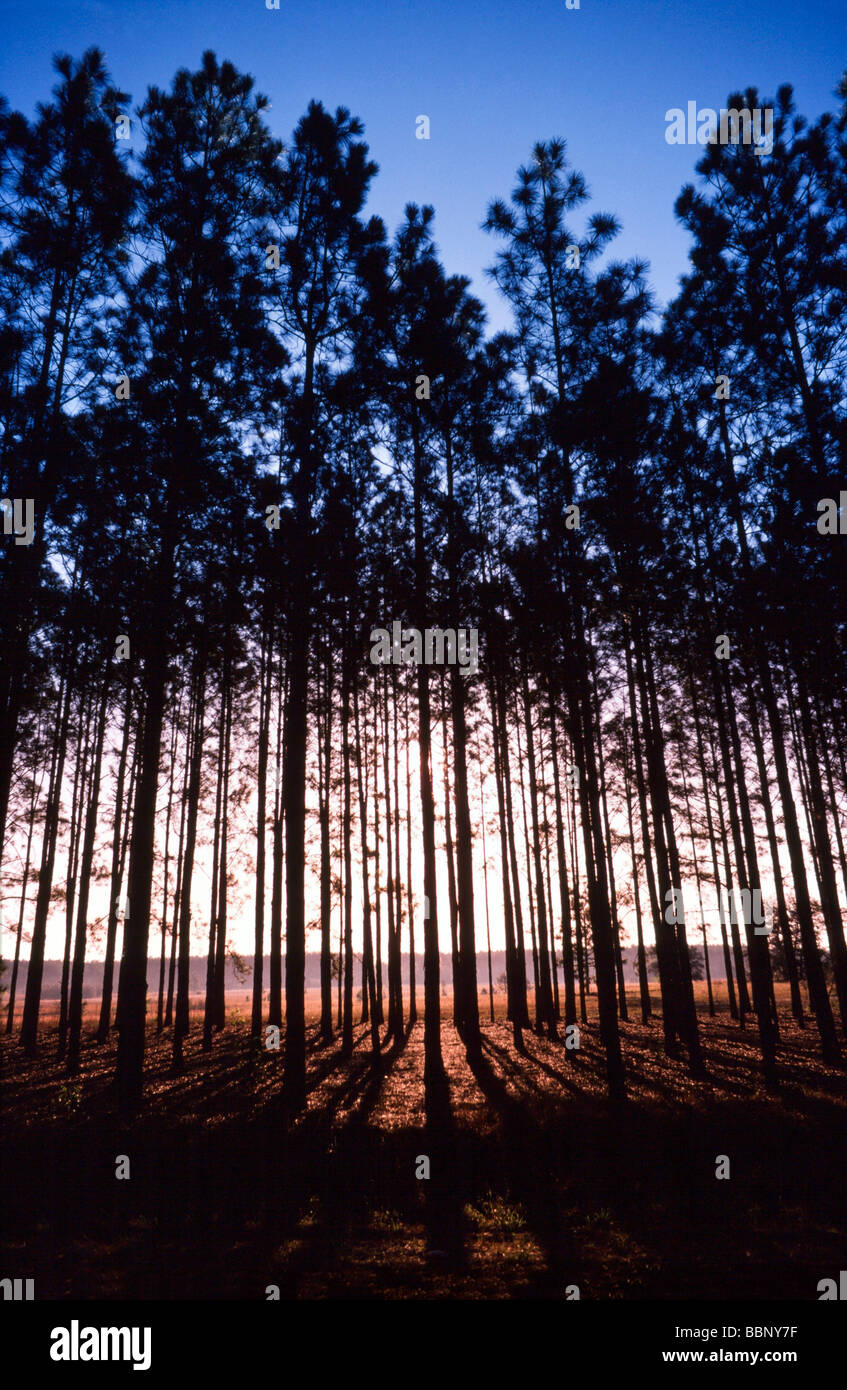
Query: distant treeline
x=237, y=980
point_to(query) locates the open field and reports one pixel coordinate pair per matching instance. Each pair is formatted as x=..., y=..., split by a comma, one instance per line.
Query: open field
x=537, y=1181
x=239, y=1003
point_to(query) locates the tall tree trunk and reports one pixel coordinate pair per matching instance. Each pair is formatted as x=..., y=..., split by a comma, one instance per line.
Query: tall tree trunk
x=830, y=1047
x=667, y=964
x=160, y=1005
x=665, y=955
x=380, y=1017
x=641, y=955
x=213, y=904
x=485, y=884
x=347, y=1025
x=75, y=1008
x=506, y=771
x=32, y=1000
x=539, y=1023
x=369, y=991
x=122, y=821
x=466, y=984
x=607, y=832
x=688, y=1012
x=547, y=1015
x=548, y=880
x=182, y=1015
x=296, y=737
x=218, y=1014
x=410, y=898
x=581, y=962
x=595, y=867
x=464, y=870
x=782, y=906
x=395, y=983
x=78, y=800
x=710, y=828
x=433, y=1065
x=692, y=835
x=278, y=856
x=25, y=562
x=516, y=1010
x=133, y=981
x=13, y=983
x=729, y=799
x=567, y=944
x=265, y=667
x=398, y=907
x=820, y=833
x=823, y=743
x=180, y=858
x=325, y=793
x=452, y=897
x=757, y=951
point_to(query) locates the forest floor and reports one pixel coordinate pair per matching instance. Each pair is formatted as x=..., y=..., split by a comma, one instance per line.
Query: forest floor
x=537, y=1182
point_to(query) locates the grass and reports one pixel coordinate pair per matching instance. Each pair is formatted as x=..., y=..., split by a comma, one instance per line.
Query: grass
x=537, y=1181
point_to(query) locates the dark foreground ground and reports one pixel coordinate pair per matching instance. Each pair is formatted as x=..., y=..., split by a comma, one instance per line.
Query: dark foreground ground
x=537, y=1182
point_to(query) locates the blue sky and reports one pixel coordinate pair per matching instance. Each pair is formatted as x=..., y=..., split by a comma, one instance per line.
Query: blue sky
x=492, y=78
